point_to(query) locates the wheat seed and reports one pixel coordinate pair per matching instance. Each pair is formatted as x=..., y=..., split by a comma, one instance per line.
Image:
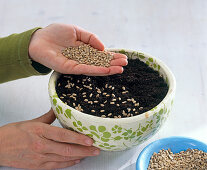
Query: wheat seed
x=185, y=160
x=85, y=54
x=109, y=114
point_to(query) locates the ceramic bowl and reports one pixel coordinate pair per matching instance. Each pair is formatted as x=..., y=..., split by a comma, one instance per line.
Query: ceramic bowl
x=176, y=144
x=112, y=134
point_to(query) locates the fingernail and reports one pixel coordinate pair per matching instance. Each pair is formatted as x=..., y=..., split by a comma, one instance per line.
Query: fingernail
x=122, y=70
x=96, y=152
x=89, y=142
x=77, y=161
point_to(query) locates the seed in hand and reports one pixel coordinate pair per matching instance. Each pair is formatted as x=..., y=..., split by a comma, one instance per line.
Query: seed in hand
x=85, y=54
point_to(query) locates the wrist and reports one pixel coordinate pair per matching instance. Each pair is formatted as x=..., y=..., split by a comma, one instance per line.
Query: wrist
x=33, y=53
x=33, y=44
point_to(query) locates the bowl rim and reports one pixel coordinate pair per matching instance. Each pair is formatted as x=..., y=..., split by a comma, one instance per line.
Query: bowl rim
x=162, y=143
x=171, y=91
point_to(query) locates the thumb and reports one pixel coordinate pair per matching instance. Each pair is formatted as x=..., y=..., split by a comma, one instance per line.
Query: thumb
x=48, y=118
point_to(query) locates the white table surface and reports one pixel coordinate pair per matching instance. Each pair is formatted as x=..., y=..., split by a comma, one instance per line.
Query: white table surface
x=174, y=31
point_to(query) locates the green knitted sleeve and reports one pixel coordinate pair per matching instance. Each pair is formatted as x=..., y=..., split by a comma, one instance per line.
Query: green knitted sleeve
x=15, y=62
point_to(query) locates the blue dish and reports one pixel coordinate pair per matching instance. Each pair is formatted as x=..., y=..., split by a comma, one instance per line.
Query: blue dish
x=176, y=144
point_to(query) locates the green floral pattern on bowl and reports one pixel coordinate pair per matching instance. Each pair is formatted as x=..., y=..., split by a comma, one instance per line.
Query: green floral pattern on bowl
x=117, y=134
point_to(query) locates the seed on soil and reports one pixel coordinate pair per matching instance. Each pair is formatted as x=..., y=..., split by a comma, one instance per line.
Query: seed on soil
x=141, y=108
x=124, y=92
x=85, y=54
x=68, y=86
x=103, y=116
x=124, y=113
x=79, y=108
x=115, y=93
x=90, y=102
x=109, y=114
x=119, y=116
x=92, y=110
x=128, y=109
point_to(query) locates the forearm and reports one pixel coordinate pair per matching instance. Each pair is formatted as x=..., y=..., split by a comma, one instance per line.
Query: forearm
x=15, y=62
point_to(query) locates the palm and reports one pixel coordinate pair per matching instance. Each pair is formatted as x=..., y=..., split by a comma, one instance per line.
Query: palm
x=47, y=43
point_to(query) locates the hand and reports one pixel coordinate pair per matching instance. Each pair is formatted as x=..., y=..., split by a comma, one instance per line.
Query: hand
x=35, y=144
x=47, y=43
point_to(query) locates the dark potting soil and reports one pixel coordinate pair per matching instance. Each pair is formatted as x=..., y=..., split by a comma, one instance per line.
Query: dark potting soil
x=138, y=89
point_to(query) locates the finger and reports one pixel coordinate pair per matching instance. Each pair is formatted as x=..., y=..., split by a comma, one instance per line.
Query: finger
x=113, y=70
x=66, y=136
x=57, y=165
x=90, y=69
x=119, y=62
x=119, y=55
x=58, y=158
x=88, y=38
x=48, y=117
x=71, y=150
x=116, y=70
x=72, y=67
